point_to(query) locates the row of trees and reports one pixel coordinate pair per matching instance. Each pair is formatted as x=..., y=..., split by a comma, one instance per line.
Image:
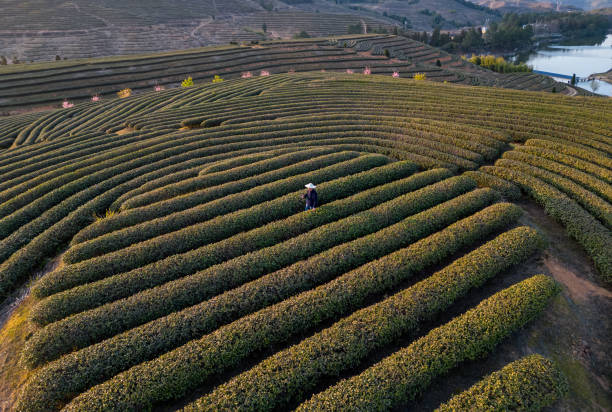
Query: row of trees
x=498, y=64
x=504, y=35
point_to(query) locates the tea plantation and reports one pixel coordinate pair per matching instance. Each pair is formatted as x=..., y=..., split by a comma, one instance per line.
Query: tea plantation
x=188, y=276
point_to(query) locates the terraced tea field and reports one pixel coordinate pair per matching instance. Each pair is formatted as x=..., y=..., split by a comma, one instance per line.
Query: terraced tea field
x=47, y=84
x=460, y=229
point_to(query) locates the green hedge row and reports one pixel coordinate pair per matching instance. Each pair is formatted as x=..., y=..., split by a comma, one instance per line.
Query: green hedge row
x=404, y=375
x=528, y=384
x=592, y=156
x=591, y=183
x=36, y=165
x=598, y=207
x=174, y=373
x=225, y=225
x=290, y=375
x=572, y=161
x=508, y=190
x=56, y=226
x=220, y=200
x=141, y=214
x=222, y=184
x=580, y=224
x=255, y=154
x=90, y=295
x=68, y=177
x=80, y=330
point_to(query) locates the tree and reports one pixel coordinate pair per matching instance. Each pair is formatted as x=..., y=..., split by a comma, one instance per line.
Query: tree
x=57, y=57
x=188, y=82
x=3, y=61
x=574, y=79
x=435, y=37
x=387, y=53
x=438, y=63
x=264, y=27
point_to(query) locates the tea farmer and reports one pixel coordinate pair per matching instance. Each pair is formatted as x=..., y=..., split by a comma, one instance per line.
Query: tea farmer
x=311, y=197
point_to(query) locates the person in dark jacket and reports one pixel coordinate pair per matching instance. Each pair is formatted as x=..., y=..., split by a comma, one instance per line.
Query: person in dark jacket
x=311, y=197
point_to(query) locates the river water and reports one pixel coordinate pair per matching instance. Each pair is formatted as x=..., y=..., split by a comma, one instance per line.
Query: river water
x=582, y=60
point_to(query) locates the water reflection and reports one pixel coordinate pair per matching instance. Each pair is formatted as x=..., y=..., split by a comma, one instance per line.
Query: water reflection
x=581, y=60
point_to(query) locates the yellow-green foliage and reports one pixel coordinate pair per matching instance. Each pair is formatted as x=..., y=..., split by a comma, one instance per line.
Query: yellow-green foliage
x=528, y=384
x=420, y=76
x=217, y=79
x=124, y=93
x=404, y=375
x=498, y=64
x=188, y=82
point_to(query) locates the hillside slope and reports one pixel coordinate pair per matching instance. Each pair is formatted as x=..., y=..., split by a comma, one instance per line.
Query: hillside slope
x=36, y=30
x=183, y=271
x=48, y=84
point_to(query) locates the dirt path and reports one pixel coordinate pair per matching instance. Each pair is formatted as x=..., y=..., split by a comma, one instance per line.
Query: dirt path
x=193, y=34
x=575, y=330
x=106, y=22
x=571, y=91
x=14, y=330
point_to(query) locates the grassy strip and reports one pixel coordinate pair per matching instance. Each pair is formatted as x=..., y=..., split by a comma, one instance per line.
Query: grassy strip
x=583, y=227
x=173, y=374
x=231, y=195
x=57, y=338
x=508, y=190
x=402, y=376
x=528, y=384
x=224, y=226
x=290, y=375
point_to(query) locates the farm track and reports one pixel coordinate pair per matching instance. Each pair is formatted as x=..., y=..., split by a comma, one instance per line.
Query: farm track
x=192, y=277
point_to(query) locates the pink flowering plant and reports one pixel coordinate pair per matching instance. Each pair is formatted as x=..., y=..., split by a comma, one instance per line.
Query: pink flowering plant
x=67, y=105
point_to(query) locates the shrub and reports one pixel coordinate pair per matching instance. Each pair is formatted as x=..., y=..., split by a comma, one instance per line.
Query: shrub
x=216, y=79
x=583, y=227
x=507, y=189
x=172, y=374
x=404, y=375
x=56, y=338
x=530, y=384
x=420, y=76
x=200, y=206
x=223, y=226
x=594, y=204
x=288, y=376
x=124, y=93
x=188, y=82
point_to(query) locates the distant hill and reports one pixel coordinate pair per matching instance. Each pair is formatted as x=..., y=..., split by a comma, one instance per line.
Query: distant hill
x=38, y=30
x=511, y=5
